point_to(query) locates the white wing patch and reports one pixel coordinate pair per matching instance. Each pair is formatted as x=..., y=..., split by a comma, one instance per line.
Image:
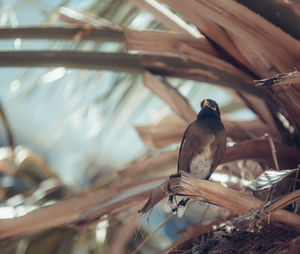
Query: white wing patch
x=201, y=164
x=173, y=205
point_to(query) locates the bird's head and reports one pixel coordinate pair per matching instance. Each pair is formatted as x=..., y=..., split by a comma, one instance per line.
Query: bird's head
x=209, y=108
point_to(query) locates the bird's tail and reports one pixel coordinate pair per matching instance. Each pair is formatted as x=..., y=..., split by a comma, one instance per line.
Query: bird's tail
x=176, y=205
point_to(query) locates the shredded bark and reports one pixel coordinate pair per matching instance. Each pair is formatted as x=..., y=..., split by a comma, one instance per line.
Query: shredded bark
x=247, y=242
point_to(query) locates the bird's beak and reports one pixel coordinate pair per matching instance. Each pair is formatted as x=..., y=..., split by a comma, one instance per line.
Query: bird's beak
x=207, y=104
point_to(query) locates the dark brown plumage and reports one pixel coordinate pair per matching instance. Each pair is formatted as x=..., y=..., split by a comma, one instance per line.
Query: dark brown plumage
x=202, y=148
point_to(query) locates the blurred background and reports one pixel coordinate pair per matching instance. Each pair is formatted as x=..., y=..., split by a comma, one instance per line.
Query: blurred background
x=67, y=132
x=82, y=121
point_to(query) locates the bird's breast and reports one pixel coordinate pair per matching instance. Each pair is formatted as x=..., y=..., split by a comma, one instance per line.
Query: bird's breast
x=201, y=164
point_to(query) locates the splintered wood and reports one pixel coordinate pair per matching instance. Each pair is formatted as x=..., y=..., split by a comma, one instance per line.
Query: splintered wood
x=219, y=195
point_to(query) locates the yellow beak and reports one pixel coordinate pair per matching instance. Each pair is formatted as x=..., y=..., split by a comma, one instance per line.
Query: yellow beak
x=207, y=104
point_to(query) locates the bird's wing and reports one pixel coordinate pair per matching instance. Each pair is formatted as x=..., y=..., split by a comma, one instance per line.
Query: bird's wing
x=220, y=147
x=195, y=142
x=180, y=149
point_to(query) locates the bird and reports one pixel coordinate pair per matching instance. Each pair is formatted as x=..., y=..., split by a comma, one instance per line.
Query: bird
x=202, y=148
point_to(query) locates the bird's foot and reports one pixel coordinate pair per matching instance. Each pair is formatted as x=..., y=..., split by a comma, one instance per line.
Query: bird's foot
x=173, y=182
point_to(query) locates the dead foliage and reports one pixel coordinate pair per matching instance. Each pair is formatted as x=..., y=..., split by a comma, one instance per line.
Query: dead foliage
x=240, y=50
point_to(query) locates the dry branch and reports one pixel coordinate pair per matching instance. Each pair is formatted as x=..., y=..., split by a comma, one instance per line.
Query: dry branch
x=161, y=162
x=180, y=105
x=64, y=33
x=123, y=234
x=234, y=200
x=159, y=65
x=171, y=96
x=263, y=111
x=219, y=195
x=81, y=210
x=286, y=90
x=260, y=150
x=251, y=43
x=250, y=39
x=171, y=128
x=165, y=42
x=197, y=50
x=253, y=149
x=166, y=17
x=78, y=17
x=162, y=41
x=284, y=14
x=207, y=27
x=167, y=132
x=217, y=62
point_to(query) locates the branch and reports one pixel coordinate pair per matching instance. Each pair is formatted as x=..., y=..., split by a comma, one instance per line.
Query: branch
x=254, y=149
x=217, y=194
x=259, y=45
x=170, y=96
x=159, y=162
x=133, y=63
x=171, y=128
x=260, y=150
x=76, y=211
x=77, y=17
x=166, y=17
x=284, y=14
x=147, y=40
x=64, y=33
x=233, y=200
x=286, y=90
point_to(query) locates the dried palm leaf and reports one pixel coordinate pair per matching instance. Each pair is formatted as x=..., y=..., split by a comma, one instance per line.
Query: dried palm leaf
x=270, y=177
x=166, y=17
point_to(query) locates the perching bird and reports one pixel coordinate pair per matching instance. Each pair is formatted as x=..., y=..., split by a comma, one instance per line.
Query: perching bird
x=202, y=148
